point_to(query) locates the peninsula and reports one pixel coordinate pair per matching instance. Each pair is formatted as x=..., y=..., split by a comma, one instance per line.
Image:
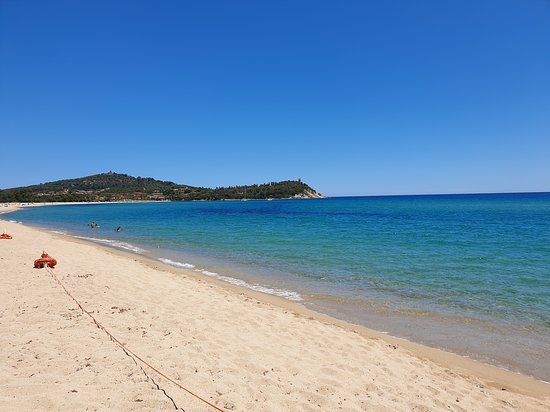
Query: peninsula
x=110, y=187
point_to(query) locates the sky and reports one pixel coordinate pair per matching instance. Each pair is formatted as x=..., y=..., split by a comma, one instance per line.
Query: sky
x=353, y=97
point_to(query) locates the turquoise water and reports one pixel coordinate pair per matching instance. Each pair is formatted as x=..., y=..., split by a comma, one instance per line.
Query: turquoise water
x=469, y=273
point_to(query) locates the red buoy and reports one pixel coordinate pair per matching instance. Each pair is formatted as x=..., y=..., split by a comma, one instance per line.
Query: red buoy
x=45, y=260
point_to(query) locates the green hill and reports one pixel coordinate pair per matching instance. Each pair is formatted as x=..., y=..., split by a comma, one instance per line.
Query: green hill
x=106, y=187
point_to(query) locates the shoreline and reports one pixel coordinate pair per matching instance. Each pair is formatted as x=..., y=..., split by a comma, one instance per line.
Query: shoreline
x=501, y=378
x=434, y=331
x=493, y=377
x=298, y=305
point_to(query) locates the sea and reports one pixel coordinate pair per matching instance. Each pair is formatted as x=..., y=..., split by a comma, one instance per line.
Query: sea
x=465, y=273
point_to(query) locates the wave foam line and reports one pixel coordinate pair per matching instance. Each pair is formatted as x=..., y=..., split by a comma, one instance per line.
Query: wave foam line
x=287, y=294
x=177, y=264
x=114, y=243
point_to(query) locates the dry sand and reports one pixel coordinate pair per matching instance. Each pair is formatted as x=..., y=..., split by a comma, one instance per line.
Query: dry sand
x=240, y=350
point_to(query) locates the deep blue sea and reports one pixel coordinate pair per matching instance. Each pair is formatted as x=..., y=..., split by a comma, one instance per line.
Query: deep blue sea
x=467, y=273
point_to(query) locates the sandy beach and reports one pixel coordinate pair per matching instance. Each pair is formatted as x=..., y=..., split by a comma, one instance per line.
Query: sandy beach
x=239, y=350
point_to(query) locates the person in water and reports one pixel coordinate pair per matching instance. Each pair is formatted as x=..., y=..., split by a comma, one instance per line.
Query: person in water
x=119, y=229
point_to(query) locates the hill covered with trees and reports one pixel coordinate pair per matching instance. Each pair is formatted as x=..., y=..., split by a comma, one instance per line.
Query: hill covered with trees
x=108, y=187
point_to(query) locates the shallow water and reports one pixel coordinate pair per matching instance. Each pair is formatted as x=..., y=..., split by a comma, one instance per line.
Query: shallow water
x=469, y=273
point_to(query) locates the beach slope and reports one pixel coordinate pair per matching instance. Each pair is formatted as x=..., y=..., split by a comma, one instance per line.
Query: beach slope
x=234, y=348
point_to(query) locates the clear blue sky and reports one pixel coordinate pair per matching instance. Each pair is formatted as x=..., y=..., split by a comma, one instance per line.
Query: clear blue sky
x=354, y=97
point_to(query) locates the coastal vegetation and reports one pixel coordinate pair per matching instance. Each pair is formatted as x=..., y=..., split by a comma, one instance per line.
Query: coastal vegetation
x=107, y=187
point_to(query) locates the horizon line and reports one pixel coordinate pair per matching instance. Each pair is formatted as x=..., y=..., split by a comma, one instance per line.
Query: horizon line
x=445, y=194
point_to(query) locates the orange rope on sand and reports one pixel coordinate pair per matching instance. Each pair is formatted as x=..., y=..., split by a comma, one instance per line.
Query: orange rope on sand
x=119, y=343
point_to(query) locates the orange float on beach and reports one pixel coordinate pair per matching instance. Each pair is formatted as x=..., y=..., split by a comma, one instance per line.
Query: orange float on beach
x=45, y=260
x=5, y=236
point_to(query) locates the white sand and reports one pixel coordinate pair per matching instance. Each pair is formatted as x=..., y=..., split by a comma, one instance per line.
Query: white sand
x=238, y=349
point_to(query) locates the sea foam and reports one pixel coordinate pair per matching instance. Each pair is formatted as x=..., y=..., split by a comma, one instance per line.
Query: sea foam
x=114, y=243
x=287, y=294
x=177, y=264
